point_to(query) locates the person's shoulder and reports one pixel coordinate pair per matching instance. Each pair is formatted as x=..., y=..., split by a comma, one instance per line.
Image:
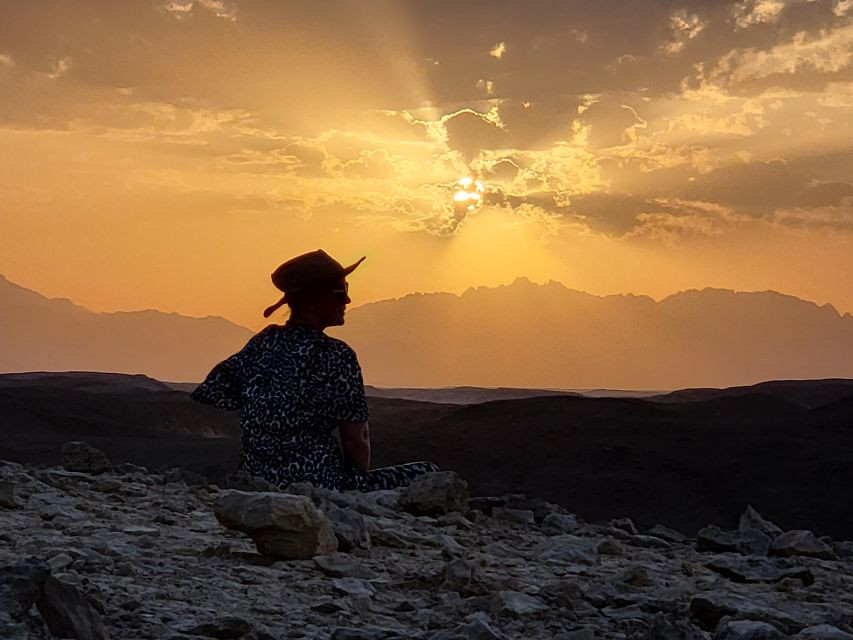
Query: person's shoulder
x=338, y=346
x=263, y=336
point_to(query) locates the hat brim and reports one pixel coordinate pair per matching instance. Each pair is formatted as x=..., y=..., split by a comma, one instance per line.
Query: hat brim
x=348, y=270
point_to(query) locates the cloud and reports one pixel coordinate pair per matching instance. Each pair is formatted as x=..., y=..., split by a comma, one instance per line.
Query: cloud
x=751, y=12
x=469, y=132
x=684, y=27
x=60, y=68
x=6, y=61
x=498, y=50
x=181, y=9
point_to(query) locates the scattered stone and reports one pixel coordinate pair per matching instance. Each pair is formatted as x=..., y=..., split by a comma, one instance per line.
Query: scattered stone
x=515, y=604
x=801, y=543
x=435, y=494
x=476, y=629
x=486, y=504
x=366, y=633
x=282, y=526
x=710, y=607
x=823, y=632
x=555, y=524
x=67, y=613
x=626, y=524
x=665, y=627
x=7, y=496
x=81, y=457
x=610, y=547
x=747, y=630
x=751, y=520
x=189, y=478
x=354, y=587
x=341, y=565
x=516, y=516
x=244, y=481
x=349, y=527
x=463, y=576
x=757, y=569
x=225, y=628
x=665, y=533
x=747, y=542
x=567, y=548
x=636, y=576
x=21, y=583
x=649, y=542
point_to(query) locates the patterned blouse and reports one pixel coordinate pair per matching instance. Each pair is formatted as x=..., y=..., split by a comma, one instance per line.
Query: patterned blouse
x=293, y=385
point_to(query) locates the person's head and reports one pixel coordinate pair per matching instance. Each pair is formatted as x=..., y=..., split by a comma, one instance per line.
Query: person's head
x=323, y=305
x=315, y=288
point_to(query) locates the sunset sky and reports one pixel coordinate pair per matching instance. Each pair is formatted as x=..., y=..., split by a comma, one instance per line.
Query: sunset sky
x=169, y=154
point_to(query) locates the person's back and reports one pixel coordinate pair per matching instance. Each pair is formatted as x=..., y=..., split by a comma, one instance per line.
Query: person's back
x=295, y=386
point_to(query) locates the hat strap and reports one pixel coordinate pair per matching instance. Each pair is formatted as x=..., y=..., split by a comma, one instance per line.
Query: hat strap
x=275, y=306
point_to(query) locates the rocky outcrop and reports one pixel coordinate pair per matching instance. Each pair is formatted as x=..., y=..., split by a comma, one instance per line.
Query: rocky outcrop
x=282, y=526
x=148, y=557
x=435, y=494
x=79, y=456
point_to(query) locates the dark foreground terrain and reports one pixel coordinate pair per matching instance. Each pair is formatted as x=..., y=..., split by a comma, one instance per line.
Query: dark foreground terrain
x=786, y=448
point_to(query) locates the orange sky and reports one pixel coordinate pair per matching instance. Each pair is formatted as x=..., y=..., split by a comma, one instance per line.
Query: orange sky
x=170, y=154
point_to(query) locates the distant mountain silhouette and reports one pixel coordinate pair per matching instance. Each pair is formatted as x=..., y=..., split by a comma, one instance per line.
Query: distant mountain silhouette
x=54, y=334
x=807, y=394
x=548, y=336
x=525, y=336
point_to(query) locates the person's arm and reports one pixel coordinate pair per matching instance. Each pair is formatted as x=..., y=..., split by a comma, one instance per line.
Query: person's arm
x=355, y=442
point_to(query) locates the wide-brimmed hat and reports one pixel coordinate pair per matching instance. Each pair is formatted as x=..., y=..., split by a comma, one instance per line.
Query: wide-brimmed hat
x=309, y=271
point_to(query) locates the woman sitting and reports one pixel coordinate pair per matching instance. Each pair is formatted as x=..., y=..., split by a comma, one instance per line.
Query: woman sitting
x=296, y=386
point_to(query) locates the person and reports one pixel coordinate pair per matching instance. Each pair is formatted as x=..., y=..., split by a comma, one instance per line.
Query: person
x=296, y=387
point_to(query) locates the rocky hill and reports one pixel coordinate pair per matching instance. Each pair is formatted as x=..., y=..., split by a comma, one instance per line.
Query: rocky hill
x=93, y=551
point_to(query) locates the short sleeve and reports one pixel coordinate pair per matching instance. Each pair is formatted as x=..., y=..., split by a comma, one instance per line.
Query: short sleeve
x=344, y=388
x=223, y=386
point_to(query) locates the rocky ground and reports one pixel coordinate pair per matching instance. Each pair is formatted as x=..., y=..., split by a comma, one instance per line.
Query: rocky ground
x=91, y=551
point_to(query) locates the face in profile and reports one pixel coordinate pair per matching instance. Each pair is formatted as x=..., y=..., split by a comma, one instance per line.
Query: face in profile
x=331, y=304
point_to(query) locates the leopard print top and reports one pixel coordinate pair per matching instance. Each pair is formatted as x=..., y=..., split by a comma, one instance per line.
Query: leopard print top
x=293, y=385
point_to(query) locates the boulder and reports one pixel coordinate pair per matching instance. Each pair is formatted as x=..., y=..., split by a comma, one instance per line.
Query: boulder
x=282, y=526
x=21, y=584
x=244, y=481
x=81, y=457
x=349, y=527
x=751, y=520
x=747, y=542
x=435, y=494
x=555, y=524
x=747, y=630
x=567, y=549
x=67, y=612
x=823, y=632
x=801, y=543
x=7, y=496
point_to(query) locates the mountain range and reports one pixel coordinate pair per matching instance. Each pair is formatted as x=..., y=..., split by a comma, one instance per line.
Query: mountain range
x=522, y=335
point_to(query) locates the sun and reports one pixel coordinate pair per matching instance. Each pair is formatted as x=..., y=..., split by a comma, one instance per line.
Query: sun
x=469, y=193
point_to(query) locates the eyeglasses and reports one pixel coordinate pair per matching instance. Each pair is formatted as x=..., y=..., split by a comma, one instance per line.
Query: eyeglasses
x=342, y=293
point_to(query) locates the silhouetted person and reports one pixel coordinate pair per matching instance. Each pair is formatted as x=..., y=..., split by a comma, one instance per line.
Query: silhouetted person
x=295, y=386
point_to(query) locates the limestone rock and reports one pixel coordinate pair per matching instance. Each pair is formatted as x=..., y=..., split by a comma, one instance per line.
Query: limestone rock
x=516, y=604
x=801, y=543
x=476, y=629
x=340, y=565
x=243, y=481
x=517, y=516
x=664, y=627
x=463, y=576
x=747, y=630
x=7, y=496
x=567, y=548
x=21, y=583
x=823, y=632
x=757, y=569
x=366, y=633
x=665, y=533
x=747, y=542
x=68, y=614
x=751, y=520
x=349, y=527
x=282, y=526
x=555, y=524
x=435, y=494
x=79, y=456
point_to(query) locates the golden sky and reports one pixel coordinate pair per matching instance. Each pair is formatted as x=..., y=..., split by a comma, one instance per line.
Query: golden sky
x=169, y=154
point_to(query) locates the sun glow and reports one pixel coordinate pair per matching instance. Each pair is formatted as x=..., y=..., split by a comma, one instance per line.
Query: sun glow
x=469, y=193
